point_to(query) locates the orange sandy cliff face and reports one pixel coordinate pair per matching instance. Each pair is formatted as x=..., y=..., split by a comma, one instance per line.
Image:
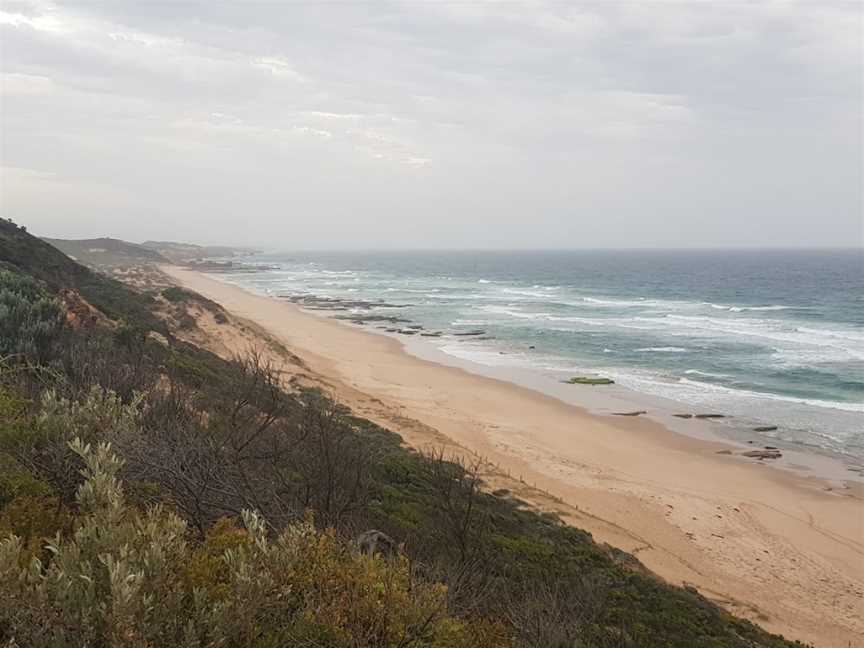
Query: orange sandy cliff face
x=79, y=313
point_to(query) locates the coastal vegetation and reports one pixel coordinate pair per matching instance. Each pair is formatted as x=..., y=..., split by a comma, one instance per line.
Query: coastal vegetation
x=589, y=380
x=154, y=494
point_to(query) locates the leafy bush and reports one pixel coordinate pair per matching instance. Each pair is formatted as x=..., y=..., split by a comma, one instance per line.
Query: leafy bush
x=41, y=446
x=35, y=520
x=29, y=318
x=175, y=294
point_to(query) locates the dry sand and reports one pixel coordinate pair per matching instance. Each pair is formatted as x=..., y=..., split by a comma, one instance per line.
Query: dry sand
x=784, y=550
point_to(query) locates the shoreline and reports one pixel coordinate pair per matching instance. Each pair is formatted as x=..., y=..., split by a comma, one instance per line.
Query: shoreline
x=779, y=547
x=609, y=401
x=836, y=469
x=814, y=436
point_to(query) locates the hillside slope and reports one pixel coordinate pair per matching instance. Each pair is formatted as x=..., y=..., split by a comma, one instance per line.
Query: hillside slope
x=183, y=252
x=106, y=252
x=25, y=253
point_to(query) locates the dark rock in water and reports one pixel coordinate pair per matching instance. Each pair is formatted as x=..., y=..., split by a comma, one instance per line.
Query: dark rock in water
x=762, y=454
x=314, y=302
x=684, y=416
x=467, y=333
x=373, y=318
x=374, y=543
x=771, y=448
x=634, y=413
x=392, y=330
x=432, y=334
x=532, y=347
x=765, y=428
x=709, y=416
x=407, y=332
x=414, y=326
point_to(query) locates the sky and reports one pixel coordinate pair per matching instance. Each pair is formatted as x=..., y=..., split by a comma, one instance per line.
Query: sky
x=386, y=125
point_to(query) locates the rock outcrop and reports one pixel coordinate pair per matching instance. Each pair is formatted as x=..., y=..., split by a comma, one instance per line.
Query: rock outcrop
x=377, y=543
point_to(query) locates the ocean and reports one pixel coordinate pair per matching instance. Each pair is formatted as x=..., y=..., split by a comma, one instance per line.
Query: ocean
x=766, y=337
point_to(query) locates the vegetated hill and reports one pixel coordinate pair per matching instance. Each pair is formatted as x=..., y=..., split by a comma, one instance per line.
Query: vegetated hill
x=29, y=255
x=183, y=252
x=156, y=542
x=107, y=252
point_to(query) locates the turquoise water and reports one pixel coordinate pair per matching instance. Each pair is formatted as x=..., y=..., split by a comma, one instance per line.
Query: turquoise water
x=769, y=337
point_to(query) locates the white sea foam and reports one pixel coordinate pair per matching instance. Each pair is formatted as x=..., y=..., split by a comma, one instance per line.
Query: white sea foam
x=684, y=389
x=664, y=349
x=707, y=374
x=462, y=297
x=775, y=307
x=741, y=309
x=428, y=292
x=813, y=345
x=849, y=342
x=503, y=310
x=843, y=335
x=797, y=356
x=814, y=402
x=525, y=293
x=616, y=302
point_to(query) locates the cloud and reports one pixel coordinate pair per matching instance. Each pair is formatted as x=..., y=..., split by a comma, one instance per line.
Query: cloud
x=519, y=118
x=277, y=67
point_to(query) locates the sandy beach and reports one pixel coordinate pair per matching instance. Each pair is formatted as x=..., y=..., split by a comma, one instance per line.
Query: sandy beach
x=783, y=549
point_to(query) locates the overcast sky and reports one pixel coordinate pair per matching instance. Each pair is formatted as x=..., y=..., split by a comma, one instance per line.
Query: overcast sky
x=431, y=124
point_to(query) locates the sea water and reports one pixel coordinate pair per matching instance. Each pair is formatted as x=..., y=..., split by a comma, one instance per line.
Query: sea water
x=766, y=337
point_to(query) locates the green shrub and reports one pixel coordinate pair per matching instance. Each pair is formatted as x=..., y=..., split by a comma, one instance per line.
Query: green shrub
x=30, y=319
x=40, y=446
x=177, y=295
x=35, y=520
x=16, y=481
